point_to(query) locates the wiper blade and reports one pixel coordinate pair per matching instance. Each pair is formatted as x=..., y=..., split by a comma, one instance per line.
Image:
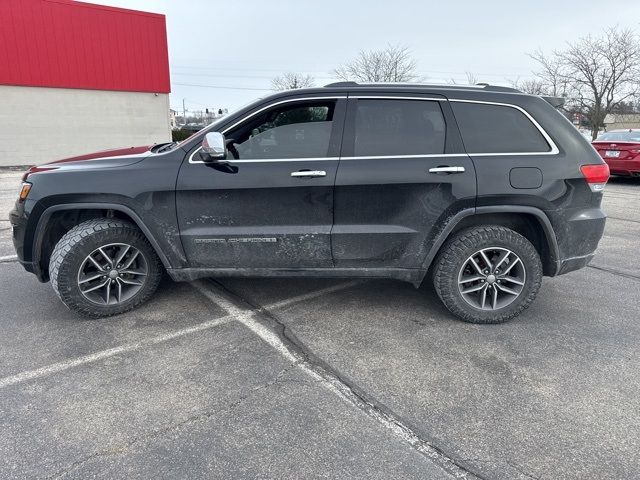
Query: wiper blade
x=166, y=147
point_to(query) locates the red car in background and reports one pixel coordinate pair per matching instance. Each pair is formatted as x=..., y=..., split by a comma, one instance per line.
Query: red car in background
x=621, y=150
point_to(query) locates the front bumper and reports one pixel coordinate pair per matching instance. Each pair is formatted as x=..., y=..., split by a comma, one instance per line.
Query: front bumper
x=19, y=228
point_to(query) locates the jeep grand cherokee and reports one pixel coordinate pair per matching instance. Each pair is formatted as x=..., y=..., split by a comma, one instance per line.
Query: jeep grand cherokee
x=480, y=189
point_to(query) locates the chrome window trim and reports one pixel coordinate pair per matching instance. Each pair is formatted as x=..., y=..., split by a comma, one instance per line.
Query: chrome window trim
x=553, y=151
x=396, y=97
x=554, y=148
x=426, y=155
x=288, y=100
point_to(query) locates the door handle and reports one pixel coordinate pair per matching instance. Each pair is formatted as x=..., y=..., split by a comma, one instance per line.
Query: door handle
x=309, y=173
x=446, y=170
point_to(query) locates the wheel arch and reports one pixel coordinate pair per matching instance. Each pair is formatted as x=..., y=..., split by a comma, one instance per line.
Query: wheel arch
x=51, y=227
x=530, y=222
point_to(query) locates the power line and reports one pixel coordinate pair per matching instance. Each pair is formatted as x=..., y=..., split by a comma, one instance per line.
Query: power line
x=183, y=74
x=222, y=87
x=436, y=73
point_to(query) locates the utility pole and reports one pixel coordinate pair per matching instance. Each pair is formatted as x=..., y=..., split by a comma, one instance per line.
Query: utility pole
x=184, y=112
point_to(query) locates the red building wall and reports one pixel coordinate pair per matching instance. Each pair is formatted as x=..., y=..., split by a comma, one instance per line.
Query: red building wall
x=69, y=44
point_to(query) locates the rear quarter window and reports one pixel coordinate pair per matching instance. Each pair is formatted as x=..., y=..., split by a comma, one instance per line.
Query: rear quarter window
x=497, y=129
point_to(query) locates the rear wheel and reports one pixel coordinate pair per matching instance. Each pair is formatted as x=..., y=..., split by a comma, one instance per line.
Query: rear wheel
x=487, y=274
x=103, y=267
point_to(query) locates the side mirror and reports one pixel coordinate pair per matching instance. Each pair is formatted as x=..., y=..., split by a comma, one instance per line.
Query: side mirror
x=213, y=148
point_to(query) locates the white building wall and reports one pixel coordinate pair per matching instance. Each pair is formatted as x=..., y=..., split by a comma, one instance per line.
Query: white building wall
x=38, y=125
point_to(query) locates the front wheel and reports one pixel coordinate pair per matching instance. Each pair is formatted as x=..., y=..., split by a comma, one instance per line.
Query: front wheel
x=104, y=267
x=487, y=274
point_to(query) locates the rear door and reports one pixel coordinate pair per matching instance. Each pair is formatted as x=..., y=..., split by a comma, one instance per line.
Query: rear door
x=270, y=204
x=402, y=173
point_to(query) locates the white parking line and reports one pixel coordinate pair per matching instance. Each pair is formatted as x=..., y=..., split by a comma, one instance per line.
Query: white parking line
x=234, y=313
x=94, y=357
x=8, y=258
x=314, y=294
x=246, y=316
x=329, y=380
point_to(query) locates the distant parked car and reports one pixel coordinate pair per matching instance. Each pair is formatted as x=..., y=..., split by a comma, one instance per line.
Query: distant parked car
x=621, y=150
x=193, y=127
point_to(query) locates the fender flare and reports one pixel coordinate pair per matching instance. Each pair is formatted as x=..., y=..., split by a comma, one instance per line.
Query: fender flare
x=46, y=215
x=542, y=218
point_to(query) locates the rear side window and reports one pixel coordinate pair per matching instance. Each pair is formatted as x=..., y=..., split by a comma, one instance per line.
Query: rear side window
x=497, y=129
x=398, y=127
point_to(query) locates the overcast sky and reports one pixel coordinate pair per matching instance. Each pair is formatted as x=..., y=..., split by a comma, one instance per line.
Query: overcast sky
x=232, y=49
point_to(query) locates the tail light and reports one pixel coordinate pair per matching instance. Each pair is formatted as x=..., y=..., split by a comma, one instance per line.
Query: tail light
x=596, y=176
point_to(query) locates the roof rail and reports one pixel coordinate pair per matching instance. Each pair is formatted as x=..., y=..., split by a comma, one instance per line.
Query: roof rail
x=482, y=86
x=555, y=102
x=342, y=84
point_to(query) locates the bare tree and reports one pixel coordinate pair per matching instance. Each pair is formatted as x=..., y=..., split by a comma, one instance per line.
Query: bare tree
x=392, y=64
x=471, y=79
x=532, y=87
x=597, y=74
x=292, y=81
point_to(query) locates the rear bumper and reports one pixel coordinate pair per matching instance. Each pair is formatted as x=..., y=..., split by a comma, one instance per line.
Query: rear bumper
x=576, y=263
x=578, y=238
x=624, y=167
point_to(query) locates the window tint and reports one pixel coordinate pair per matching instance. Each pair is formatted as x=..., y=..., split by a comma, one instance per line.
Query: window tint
x=497, y=129
x=626, y=136
x=399, y=127
x=300, y=130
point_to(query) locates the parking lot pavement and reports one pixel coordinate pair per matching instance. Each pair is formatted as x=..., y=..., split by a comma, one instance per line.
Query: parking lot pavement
x=9, y=187
x=153, y=392
x=303, y=378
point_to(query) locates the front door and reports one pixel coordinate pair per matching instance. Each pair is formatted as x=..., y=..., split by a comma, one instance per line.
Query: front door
x=270, y=204
x=403, y=171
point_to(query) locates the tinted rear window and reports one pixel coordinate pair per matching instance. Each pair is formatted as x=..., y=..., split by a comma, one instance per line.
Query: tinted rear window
x=399, y=127
x=632, y=136
x=497, y=129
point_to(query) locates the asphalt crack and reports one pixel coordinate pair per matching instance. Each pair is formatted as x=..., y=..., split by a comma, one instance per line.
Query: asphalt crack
x=353, y=393
x=623, y=219
x=615, y=272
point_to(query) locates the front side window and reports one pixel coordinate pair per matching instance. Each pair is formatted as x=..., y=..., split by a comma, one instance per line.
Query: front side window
x=398, y=127
x=497, y=129
x=293, y=130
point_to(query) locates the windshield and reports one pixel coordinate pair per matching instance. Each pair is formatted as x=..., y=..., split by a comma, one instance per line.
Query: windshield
x=199, y=132
x=627, y=136
x=211, y=126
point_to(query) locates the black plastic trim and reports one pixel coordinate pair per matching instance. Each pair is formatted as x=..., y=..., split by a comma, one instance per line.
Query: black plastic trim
x=455, y=220
x=46, y=215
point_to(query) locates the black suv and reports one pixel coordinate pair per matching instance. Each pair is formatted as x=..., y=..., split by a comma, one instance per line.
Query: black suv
x=482, y=189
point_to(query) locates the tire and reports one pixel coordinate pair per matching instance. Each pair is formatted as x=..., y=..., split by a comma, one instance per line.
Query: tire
x=71, y=253
x=456, y=276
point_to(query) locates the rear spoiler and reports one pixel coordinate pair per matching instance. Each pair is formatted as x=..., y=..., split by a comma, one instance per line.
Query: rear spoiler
x=556, y=102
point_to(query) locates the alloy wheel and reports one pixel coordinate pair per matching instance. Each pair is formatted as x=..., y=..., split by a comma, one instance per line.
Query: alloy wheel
x=112, y=274
x=491, y=278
